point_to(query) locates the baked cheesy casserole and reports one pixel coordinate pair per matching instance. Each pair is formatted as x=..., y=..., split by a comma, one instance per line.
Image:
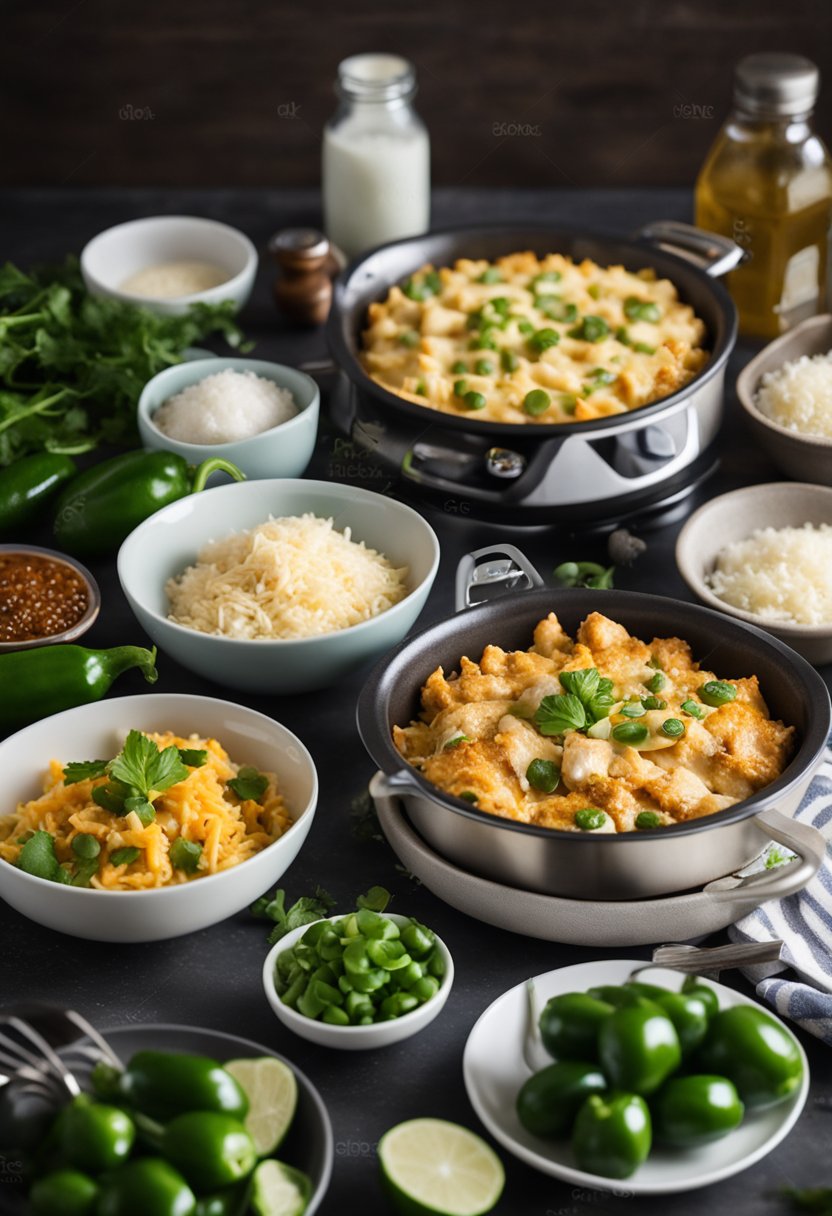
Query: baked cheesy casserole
x=526, y=340
x=605, y=733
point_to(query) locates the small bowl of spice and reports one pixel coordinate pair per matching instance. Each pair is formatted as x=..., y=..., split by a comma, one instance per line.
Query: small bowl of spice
x=763, y=554
x=169, y=262
x=45, y=597
x=261, y=416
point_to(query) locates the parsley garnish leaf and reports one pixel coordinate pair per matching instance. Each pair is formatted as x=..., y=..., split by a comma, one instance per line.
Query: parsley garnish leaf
x=249, y=783
x=84, y=770
x=556, y=715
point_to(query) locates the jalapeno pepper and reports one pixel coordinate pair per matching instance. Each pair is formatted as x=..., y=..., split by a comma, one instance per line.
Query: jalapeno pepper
x=638, y=1048
x=94, y=1137
x=751, y=1049
x=28, y=484
x=569, y=1025
x=43, y=681
x=694, y=1110
x=612, y=1136
x=623, y=996
x=102, y=505
x=211, y=1150
x=63, y=1193
x=549, y=1101
x=147, y=1187
x=164, y=1084
x=693, y=986
x=230, y=1202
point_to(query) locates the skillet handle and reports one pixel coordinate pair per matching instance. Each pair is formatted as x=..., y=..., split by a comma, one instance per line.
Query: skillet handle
x=714, y=254
x=499, y=567
x=807, y=842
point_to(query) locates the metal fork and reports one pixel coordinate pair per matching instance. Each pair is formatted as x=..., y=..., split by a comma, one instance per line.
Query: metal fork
x=29, y=1038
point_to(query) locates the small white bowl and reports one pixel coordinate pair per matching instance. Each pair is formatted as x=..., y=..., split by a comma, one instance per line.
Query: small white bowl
x=733, y=517
x=163, y=912
x=166, y=543
x=283, y=451
x=120, y=252
x=355, y=1038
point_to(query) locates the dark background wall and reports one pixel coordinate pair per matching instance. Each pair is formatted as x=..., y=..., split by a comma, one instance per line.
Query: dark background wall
x=515, y=92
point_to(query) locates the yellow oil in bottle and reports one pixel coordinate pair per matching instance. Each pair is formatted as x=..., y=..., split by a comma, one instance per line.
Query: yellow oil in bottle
x=767, y=184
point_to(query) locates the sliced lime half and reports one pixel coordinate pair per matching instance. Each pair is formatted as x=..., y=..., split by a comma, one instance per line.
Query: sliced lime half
x=279, y=1190
x=272, y=1093
x=432, y=1166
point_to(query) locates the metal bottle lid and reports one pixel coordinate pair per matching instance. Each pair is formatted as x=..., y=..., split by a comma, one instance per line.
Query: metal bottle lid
x=774, y=85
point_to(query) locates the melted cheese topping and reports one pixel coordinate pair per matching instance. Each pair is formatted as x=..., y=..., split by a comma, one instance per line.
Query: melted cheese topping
x=588, y=341
x=482, y=728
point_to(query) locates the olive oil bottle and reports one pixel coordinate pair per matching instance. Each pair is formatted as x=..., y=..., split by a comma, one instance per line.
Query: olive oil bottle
x=767, y=184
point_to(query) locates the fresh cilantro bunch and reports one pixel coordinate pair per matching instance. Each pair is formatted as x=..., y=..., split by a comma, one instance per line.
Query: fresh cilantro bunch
x=308, y=909
x=137, y=775
x=72, y=365
x=587, y=699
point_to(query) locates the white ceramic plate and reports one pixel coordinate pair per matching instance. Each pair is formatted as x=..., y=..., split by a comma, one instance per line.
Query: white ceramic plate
x=494, y=1070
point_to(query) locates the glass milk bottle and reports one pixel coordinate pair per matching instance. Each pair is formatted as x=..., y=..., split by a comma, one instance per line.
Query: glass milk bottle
x=376, y=156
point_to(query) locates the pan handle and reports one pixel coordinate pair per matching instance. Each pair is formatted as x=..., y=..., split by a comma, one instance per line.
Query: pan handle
x=807, y=842
x=492, y=572
x=714, y=254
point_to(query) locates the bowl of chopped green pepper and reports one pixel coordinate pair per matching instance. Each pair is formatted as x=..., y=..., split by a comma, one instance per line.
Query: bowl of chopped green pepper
x=359, y=981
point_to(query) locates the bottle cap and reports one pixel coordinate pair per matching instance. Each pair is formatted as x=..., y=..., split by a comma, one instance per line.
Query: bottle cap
x=376, y=77
x=774, y=85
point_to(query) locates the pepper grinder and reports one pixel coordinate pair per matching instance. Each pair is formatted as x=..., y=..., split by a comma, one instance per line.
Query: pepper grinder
x=307, y=265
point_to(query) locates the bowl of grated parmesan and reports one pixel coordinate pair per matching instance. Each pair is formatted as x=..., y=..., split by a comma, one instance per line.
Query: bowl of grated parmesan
x=261, y=416
x=763, y=554
x=786, y=393
x=282, y=587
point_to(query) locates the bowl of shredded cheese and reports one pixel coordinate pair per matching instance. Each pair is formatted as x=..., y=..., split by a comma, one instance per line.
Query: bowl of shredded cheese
x=261, y=416
x=192, y=810
x=282, y=586
x=169, y=262
x=786, y=393
x=763, y=554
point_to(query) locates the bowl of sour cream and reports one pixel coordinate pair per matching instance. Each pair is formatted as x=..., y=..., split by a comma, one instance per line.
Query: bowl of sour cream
x=169, y=262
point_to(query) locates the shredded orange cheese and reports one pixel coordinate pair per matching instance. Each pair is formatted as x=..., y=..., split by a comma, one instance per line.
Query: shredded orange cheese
x=201, y=809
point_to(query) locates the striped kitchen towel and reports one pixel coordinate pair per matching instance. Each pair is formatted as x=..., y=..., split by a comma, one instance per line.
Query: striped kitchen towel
x=800, y=986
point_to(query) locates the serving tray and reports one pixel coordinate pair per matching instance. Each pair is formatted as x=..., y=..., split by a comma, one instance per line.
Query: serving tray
x=674, y=918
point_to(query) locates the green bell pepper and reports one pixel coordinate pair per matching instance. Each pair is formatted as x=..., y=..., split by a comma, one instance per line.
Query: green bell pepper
x=569, y=1025
x=94, y=1137
x=549, y=1101
x=164, y=1084
x=612, y=1136
x=751, y=1049
x=693, y=1110
x=146, y=1187
x=693, y=986
x=638, y=1048
x=63, y=1193
x=47, y=679
x=105, y=503
x=28, y=484
x=211, y=1150
x=689, y=1014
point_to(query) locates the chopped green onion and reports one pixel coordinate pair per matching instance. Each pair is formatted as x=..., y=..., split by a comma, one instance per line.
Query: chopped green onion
x=591, y=329
x=422, y=389
x=455, y=742
x=647, y=819
x=716, y=692
x=568, y=403
x=643, y=348
x=546, y=277
x=673, y=728
x=509, y=361
x=125, y=856
x=634, y=709
x=491, y=275
x=500, y=304
x=693, y=710
x=622, y=336
x=543, y=339
x=600, y=375
x=654, y=703
x=641, y=310
x=469, y=796
x=631, y=733
x=543, y=775
x=590, y=819
x=536, y=402
x=483, y=342
x=557, y=309
x=474, y=401
x=656, y=683
x=525, y=327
